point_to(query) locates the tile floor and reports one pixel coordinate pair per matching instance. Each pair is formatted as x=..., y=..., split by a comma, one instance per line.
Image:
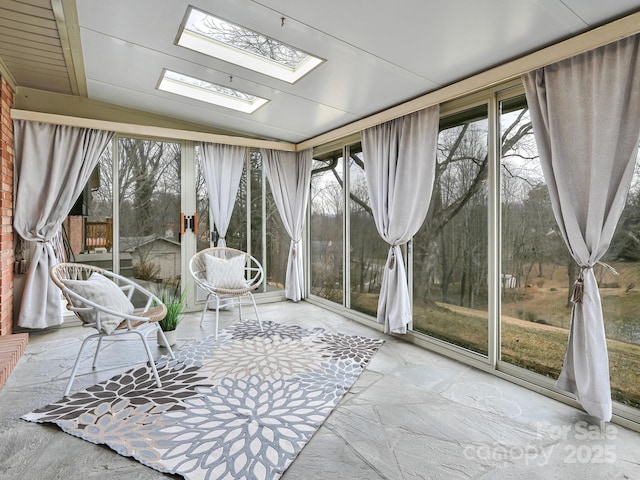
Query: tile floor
x=412, y=414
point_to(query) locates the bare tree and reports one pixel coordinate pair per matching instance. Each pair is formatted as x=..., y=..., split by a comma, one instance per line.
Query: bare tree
x=250, y=41
x=149, y=191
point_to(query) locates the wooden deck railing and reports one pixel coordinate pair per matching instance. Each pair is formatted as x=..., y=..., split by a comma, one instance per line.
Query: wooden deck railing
x=98, y=234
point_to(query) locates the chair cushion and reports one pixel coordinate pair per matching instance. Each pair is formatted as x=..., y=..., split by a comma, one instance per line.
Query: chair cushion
x=102, y=291
x=225, y=273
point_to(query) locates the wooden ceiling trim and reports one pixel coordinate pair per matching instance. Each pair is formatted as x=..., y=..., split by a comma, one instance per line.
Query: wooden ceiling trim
x=146, y=130
x=66, y=16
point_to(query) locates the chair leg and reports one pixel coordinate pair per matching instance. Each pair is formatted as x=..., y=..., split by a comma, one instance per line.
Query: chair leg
x=152, y=362
x=95, y=357
x=75, y=365
x=255, y=309
x=204, y=310
x=240, y=307
x=217, y=315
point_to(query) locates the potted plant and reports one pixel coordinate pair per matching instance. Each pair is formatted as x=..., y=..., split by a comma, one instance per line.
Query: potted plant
x=174, y=301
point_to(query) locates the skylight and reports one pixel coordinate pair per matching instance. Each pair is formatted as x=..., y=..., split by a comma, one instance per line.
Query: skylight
x=233, y=43
x=209, y=92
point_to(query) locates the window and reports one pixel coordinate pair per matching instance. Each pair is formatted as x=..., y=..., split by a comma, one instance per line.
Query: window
x=326, y=226
x=491, y=276
x=535, y=309
x=88, y=229
x=368, y=251
x=336, y=241
x=213, y=36
x=209, y=92
x=255, y=222
x=450, y=249
x=149, y=199
x=538, y=272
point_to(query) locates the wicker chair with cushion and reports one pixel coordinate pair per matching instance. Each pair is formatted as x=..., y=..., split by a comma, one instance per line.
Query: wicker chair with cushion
x=228, y=275
x=103, y=301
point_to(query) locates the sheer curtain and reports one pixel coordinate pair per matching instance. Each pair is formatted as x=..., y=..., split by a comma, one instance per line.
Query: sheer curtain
x=52, y=165
x=585, y=113
x=289, y=175
x=400, y=161
x=222, y=167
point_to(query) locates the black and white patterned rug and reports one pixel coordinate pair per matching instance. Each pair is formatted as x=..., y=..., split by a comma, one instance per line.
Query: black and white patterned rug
x=241, y=407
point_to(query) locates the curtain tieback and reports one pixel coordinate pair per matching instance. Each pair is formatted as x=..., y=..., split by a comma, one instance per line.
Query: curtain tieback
x=578, y=286
x=606, y=265
x=392, y=260
x=294, y=247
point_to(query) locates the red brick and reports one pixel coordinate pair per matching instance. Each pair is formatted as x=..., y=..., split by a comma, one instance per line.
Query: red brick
x=6, y=211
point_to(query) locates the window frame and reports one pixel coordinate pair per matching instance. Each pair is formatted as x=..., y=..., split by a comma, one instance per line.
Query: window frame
x=492, y=363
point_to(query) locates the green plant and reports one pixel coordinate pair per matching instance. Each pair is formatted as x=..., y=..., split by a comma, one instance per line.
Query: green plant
x=174, y=301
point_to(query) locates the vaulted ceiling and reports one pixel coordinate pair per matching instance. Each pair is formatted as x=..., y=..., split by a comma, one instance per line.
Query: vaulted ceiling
x=378, y=53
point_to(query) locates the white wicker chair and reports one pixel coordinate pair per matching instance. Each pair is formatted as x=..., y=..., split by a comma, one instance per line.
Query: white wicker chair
x=93, y=314
x=216, y=284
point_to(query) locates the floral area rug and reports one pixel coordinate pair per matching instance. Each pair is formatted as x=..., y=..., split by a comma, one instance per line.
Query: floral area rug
x=241, y=407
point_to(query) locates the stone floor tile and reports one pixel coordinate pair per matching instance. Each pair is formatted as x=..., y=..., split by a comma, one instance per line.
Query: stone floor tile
x=413, y=414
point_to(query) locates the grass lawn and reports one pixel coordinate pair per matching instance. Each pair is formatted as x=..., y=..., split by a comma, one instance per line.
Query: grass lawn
x=536, y=347
x=535, y=323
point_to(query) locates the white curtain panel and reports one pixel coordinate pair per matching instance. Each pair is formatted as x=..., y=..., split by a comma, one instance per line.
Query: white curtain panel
x=52, y=165
x=222, y=166
x=399, y=165
x=289, y=175
x=585, y=113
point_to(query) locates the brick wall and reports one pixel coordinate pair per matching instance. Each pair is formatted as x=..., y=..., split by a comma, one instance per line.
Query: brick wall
x=11, y=345
x=6, y=209
x=74, y=226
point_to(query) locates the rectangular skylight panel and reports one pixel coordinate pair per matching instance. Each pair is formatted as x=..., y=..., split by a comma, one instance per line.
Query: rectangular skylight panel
x=241, y=46
x=204, y=91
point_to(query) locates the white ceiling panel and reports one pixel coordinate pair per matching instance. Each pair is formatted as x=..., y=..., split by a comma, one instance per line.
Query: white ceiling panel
x=596, y=12
x=143, y=68
x=290, y=128
x=440, y=41
x=352, y=71
x=200, y=113
x=351, y=84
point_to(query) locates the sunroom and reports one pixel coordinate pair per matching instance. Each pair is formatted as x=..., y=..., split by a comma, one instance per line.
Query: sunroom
x=465, y=177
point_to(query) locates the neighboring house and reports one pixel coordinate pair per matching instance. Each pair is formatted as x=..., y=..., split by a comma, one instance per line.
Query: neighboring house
x=152, y=249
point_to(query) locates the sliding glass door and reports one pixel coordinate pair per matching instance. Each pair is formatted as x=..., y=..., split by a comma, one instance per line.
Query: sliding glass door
x=128, y=217
x=149, y=206
x=255, y=225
